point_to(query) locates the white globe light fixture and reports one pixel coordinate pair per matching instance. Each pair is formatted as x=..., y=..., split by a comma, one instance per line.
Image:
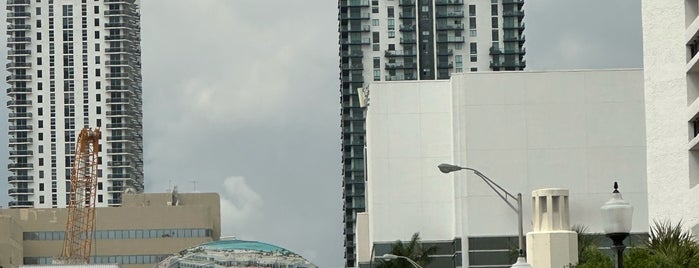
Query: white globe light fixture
x=617, y=214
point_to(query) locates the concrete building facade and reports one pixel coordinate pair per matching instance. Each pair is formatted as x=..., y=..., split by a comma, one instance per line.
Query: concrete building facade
x=395, y=40
x=73, y=64
x=146, y=229
x=671, y=71
x=577, y=130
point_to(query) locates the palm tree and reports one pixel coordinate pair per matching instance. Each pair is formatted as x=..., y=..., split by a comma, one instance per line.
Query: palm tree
x=412, y=250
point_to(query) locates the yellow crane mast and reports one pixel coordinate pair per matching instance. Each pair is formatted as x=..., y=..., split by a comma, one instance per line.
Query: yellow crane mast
x=80, y=226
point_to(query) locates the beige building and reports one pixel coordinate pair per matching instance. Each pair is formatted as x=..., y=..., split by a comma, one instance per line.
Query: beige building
x=144, y=230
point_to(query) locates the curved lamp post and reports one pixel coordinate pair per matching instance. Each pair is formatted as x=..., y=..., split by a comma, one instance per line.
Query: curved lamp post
x=617, y=214
x=393, y=257
x=504, y=194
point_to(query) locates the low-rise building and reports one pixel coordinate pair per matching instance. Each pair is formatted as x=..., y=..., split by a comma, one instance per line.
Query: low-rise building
x=146, y=229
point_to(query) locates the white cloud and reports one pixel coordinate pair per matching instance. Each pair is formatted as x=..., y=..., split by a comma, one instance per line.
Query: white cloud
x=240, y=205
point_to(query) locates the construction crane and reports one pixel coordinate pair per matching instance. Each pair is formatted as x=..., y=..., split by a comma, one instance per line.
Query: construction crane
x=80, y=226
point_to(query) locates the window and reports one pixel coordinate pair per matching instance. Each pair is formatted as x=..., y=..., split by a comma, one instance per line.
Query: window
x=474, y=49
x=391, y=24
x=474, y=69
x=496, y=35
x=494, y=21
x=494, y=10
x=41, y=199
x=474, y=58
x=38, y=10
x=97, y=9
x=472, y=33
x=391, y=12
x=472, y=10
x=472, y=23
x=375, y=22
x=38, y=23
x=41, y=162
x=375, y=37
x=377, y=75
x=391, y=34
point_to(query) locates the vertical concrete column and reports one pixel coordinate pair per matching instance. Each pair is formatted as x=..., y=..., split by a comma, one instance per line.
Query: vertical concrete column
x=551, y=243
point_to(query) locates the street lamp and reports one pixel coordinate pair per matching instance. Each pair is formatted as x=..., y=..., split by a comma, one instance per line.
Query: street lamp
x=617, y=214
x=393, y=257
x=504, y=194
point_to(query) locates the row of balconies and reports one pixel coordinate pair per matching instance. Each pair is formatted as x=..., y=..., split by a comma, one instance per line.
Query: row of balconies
x=18, y=90
x=20, y=115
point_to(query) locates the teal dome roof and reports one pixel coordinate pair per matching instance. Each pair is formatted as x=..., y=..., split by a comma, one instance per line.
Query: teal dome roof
x=229, y=245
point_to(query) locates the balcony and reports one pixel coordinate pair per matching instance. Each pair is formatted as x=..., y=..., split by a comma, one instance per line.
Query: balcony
x=519, y=26
x=355, y=16
x=114, y=37
x=117, y=75
x=20, y=140
x=406, y=2
x=117, y=189
x=399, y=78
x=400, y=53
x=406, y=15
x=119, y=176
x=117, y=12
x=513, y=2
x=119, y=113
x=445, y=65
x=450, y=14
x=450, y=39
x=117, y=88
x=513, y=13
x=21, y=128
x=20, y=178
x=18, y=2
x=353, y=79
x=400, y=65
x=354, y=3
x=20, y=191
x=18, y=27
x=19, y=204
x=19, y=103
x=20, y=115
x=116, y=62
x=514, y=39
x=17, y=77
x=361, y=28
x=357, y=41
x=448, y=2
x=20, y=166
x=353, y=66
x=497, y=51
x=408, y=40
x=450, y=27
x=120, y=138
x=18, y=15
x=508, y=64
x=120, y=125
x=24, y=39
x=19, y=90
x=117, y=50
x=19, y=52
x=18, y=65
x=118, y=164
x=353, y=54
x=407, y=28
x=445, y=52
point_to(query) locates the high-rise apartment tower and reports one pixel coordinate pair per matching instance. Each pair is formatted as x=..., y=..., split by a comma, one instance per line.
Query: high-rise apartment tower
x=393, y=40
x=73, y=63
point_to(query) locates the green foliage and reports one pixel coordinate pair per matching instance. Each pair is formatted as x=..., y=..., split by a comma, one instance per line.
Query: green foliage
x=412, y=250
x=669, y=246
x=589, y=255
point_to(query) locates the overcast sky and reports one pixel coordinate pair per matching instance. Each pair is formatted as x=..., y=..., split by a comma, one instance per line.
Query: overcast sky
x=241, y=97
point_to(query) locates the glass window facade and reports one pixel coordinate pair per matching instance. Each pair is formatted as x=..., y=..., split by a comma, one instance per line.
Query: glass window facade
x=125, y=234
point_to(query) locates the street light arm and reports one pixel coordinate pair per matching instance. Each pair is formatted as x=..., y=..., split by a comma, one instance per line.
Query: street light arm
x=499, y=190
x=410, y=261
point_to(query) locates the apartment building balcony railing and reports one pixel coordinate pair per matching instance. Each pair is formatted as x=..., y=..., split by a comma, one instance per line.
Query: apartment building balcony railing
x=353, y=66
x=17, y=3
x=21, y=204
x=20, y=165
x=118, y=25
x=400, y=65
x=116, y=62
x=450, y=39
x=20, y=191
x=114, y=201
x=445, y=52
x=116, y=189
x=115, y=37
x=18, y=15
x=512, y=2
x=448, y=27
x=118, y=50
x=13, y=40
x=119, y=176
x=120, y=125
x=18, y=77
x=355, y=16
x=351, y=129
x=513, y=26
x=120, y=138
x=20, y=127
x=400, y=53
x=24, y=153
x=118, y=1
x=19, y=103
x=18, y=27
x=353, y=79
x=508, y=64
x=514, y=39
x=406, y=2
x=448, y=2
x=117, y=88
x=406, y=15
x=119, y=12
x=19, y=52
x=361, y=28
x=497, y=51
x=18, y=65
x=356, y=41
x=407, y=28
x=117, y=75
x=19, y=90
x=119, y=113
x=408, y=40
x=353, y=54
x=20, y=178
x=20, y=140
x=400, y=77
x=13, y=116
x=450, y=14
x=513, y=13
x=118, y=164
x=445, y=65
x=354, y=3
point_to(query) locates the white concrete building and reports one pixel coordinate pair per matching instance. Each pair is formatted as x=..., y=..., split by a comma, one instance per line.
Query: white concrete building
x=671, y=71
x=578, y=130
x=73, y=64
x=395, y=40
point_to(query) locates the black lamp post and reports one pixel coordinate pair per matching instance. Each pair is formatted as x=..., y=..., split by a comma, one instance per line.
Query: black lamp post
x=617, y=214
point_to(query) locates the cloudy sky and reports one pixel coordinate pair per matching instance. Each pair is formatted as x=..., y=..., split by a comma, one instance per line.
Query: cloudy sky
x=241, y=98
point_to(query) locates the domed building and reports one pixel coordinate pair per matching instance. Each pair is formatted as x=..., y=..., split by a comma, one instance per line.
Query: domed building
x=235, y=253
